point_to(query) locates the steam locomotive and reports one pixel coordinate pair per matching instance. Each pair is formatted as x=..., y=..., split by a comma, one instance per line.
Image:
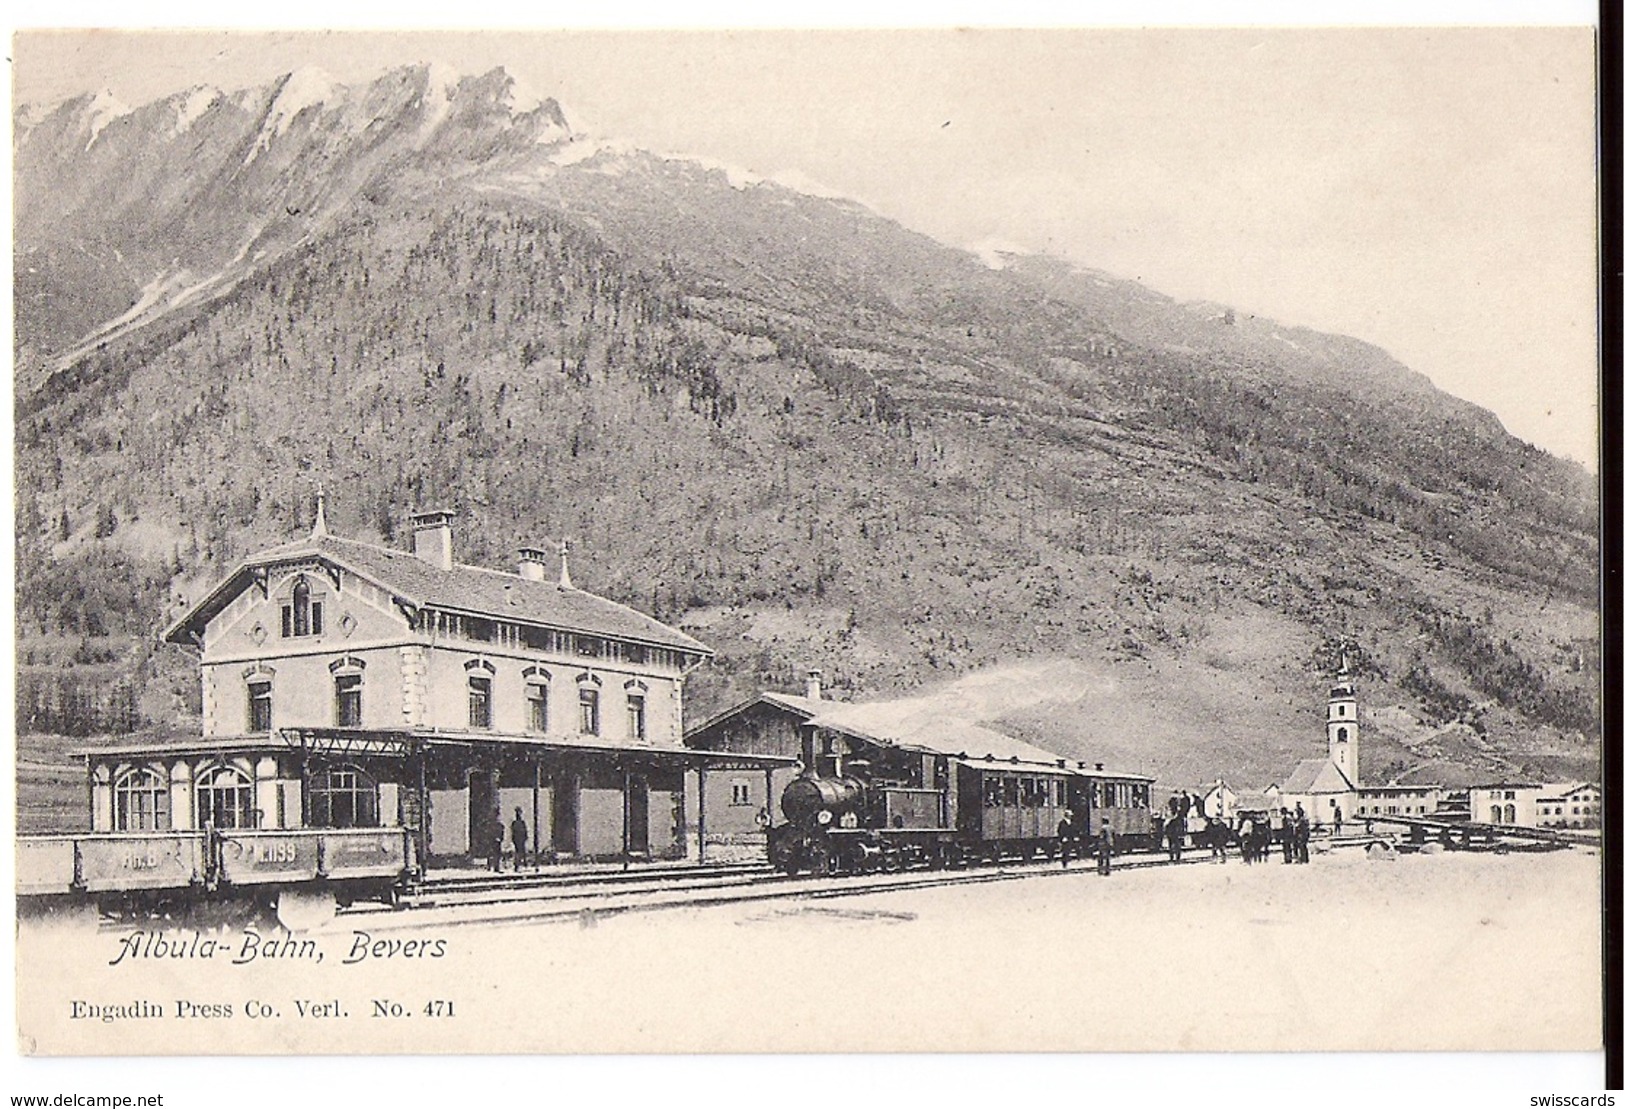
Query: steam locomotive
x=904, y=807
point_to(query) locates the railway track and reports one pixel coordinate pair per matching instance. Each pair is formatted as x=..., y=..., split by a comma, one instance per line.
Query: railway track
x=568, y=900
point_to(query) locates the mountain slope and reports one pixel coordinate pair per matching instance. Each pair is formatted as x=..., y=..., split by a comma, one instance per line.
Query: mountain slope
x=800, y=430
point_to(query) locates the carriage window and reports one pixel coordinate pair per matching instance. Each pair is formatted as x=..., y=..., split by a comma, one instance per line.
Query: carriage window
x=225, y=799
x=140, y=802
x=1043, y=793
x=343, y=797
x=1111, y=795
x=992, y=793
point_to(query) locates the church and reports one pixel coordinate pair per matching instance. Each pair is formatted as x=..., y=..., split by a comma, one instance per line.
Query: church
x=1328, y=788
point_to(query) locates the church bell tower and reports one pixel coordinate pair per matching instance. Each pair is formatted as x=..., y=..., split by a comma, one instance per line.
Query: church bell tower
x=1343, y=724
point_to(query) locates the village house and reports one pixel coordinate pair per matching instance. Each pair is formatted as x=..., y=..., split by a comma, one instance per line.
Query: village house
x=1569, y=805
x=352, y=685
x=1398, y=800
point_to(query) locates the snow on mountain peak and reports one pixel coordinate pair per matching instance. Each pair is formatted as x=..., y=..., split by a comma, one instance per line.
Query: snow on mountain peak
x=306, y=87
x=798, y=182
x=190, y=106
x=518, y=97
x=439, y=86
x=738, y=177
x=996, y=253
x=103, y=109
x=440, y=77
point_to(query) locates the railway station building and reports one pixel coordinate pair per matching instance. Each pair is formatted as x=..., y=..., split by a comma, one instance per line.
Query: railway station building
x=349, y=685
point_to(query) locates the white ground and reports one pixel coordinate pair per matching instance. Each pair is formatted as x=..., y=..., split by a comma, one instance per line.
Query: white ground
x=1448, y=951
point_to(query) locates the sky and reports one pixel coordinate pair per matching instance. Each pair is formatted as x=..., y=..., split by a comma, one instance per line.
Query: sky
x=1430, y=190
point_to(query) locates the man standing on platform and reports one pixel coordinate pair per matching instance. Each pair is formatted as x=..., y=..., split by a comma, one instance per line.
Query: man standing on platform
x=521, y=838
x=1103, y=852
x=1065, y=834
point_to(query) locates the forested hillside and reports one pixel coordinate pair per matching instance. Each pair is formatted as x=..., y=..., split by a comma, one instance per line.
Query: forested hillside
x=813, y=438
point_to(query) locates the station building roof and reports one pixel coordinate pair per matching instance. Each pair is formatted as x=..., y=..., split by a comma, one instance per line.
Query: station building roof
x=474, y=590
x=397, y=741
x=912, y=724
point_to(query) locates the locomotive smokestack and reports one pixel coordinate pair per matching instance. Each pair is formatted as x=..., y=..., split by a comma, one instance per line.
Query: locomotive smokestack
x=815, y=685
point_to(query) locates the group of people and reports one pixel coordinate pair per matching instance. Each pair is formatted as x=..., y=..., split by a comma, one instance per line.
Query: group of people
x=519, y=832
x=1105, y=843
x=1289, y=829
x=1176, y=826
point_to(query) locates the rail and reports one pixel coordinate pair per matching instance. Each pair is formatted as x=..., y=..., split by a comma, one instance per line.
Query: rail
x=1486, y=831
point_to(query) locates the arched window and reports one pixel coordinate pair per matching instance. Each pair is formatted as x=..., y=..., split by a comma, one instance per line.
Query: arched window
x=537, y=685
x=1495, y=814
x=536, y=705
x=343, y=797
x=1512, y=814
x=479, y=701
x=589, y=709
x=140, y=802
x=303, y=615
x=347, y=674
x=225, y=798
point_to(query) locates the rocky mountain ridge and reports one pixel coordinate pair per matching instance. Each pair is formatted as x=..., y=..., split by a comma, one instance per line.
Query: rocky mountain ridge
x=775, y=418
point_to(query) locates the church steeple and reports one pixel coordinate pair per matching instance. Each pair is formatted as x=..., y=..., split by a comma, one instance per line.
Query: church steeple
x=1343, y=723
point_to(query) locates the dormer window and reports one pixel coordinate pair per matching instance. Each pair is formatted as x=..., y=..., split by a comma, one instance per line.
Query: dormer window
x=302, y=616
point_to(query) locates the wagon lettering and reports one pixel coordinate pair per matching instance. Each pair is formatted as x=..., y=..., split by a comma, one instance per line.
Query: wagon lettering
x=140, y=859
x=277, y=851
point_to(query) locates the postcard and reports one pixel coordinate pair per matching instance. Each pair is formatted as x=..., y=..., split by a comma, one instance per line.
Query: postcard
x=919, y=541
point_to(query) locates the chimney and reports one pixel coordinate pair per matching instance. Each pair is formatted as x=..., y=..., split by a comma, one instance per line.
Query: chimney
x=532, y=564
x=815, y=685
x=431, y=537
